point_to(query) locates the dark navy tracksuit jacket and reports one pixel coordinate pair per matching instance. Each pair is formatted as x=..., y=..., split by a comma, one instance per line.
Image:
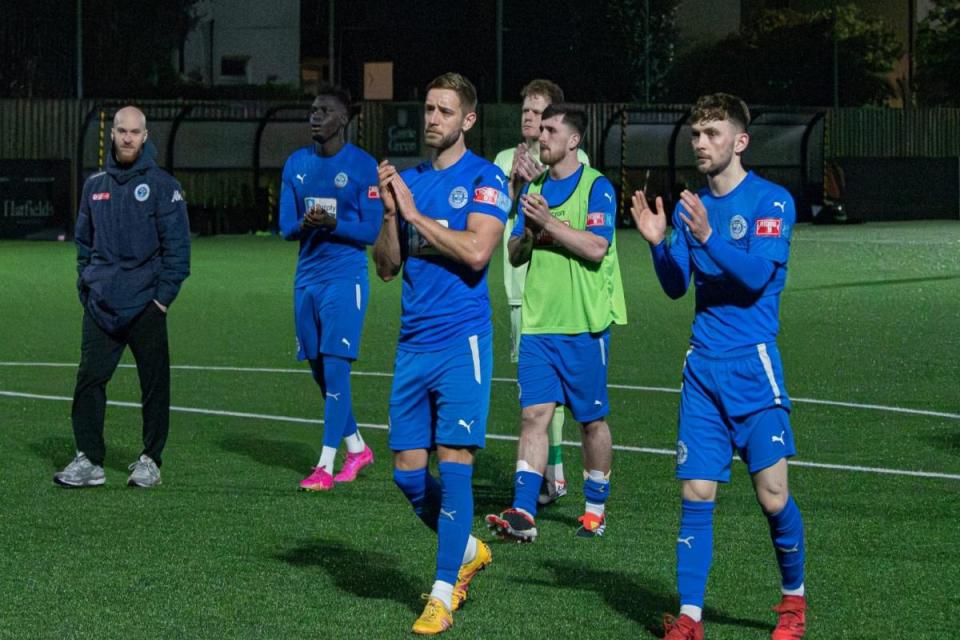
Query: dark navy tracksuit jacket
x=133, y=241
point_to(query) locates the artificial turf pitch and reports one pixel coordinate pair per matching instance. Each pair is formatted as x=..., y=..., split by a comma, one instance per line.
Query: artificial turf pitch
x=227, y=548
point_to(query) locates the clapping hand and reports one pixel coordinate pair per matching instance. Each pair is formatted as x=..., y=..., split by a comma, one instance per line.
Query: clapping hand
x=317, y=217
x=651, y=225
x=536, y=211
x=385, y=173
x=694, y=215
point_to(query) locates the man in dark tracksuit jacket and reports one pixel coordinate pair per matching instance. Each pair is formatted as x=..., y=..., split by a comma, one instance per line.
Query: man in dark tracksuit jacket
x=133, y=253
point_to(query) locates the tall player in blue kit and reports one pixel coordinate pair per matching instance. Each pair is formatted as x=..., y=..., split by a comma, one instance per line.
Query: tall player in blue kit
x=734, y=239
x=442, y=221
x=330, y=202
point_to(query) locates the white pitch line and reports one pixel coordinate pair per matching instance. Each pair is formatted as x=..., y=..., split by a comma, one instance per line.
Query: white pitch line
x=490, y=436
x=625, y=387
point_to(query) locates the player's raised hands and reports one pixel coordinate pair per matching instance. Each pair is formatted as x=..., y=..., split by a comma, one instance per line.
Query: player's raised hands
x=385, y=173
x=651, y=224
x=536, y=210
x=404, y=198
x=317, y=216
x=694, y=215
x=521, y=149
x=526, y=168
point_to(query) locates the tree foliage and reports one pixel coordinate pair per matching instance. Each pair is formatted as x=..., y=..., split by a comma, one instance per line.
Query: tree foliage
x=640, y=35
x=594, y=50
x=786, y=57
x=938, y=55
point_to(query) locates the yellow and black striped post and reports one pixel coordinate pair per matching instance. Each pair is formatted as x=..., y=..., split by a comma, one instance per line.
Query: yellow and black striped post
x=624, y=186
x=101, y=147
x=271, y=203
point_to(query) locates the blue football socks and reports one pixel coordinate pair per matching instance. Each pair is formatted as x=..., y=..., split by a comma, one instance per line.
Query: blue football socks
x=423, y=492
x=596, y=489
x=694, y=551
x=526, y=489
x=337, y=409
x=786, y=530
x=455, y=518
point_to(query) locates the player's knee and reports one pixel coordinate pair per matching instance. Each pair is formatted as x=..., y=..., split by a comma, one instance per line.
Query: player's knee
x=594, y=426
x=772, y=498
x=699, y=490
x=536, y=417
x=772, y=488
x=410, y=460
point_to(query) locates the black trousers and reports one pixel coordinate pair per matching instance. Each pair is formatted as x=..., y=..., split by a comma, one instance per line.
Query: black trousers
x=100, y=353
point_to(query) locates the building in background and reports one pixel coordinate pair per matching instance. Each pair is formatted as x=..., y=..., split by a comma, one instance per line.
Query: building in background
x=244, y=42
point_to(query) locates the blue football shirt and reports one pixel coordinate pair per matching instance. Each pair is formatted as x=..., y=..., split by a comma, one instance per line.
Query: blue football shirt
x=345, y=185
x=444, y=300
x=756, y=218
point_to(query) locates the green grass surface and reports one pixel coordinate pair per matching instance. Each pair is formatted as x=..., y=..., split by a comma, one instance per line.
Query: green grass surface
x=227, y=548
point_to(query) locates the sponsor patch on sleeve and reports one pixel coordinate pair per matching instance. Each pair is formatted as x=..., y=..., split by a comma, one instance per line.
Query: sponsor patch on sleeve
x=373, y=192
x=768, y=227
x=596, y=219
x=492, y=196
x=486, y=195
x=100, y=196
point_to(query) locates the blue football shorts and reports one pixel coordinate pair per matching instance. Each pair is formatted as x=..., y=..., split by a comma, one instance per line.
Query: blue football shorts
x=442, y=397
x=734, y=402
x=329, y=317
x=566, y=369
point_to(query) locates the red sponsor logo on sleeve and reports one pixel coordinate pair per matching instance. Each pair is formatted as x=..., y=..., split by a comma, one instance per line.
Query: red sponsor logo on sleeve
x=768, y=227
x=596, y=219
x=373, y=192
x=101, y=196
x=486, y=195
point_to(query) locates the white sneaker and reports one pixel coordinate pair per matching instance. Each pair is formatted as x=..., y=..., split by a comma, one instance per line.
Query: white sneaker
x=80, y=473
x=145, y=473
x=553, y=486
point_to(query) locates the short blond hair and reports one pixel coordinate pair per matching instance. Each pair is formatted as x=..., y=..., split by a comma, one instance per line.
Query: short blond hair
x=458, y=83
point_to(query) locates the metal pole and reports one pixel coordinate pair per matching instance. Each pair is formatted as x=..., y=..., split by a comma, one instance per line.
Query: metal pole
x=330, y=39
x=836, y=64
x=646, y=52
x=911, y=45
x=499, y=50
x=79, y=48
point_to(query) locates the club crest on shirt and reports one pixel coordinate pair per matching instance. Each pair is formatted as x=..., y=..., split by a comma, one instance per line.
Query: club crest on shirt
x=341, y=180
x=458, y=198
x=738, y=227
x=681, y=452
x=142, y=192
